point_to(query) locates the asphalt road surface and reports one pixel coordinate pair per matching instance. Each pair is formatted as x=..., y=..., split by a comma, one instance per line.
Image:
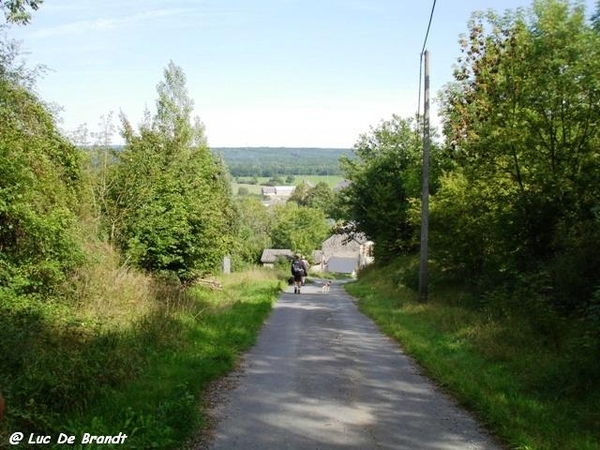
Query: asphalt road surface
x=322, y=376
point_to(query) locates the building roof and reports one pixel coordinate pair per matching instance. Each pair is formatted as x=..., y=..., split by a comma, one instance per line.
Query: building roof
x=278, y=190
x=343, y=243
x=268, y=190
x=270, y=255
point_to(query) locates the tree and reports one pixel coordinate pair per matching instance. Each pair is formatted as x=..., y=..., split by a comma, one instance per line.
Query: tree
x=253, y=229
x=320, y=197
x=384, y=175
x=173, y=208
x=523, y=115
x=596, y=18
x=298, y=228
x=300, y=194
x=39, y=189
x=16, y=11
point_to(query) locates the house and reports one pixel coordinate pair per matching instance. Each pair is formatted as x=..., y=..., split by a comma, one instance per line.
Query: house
x=276, y=194
x=344, y=253
x=278, y=191
x=267, y=191
x=271, y=255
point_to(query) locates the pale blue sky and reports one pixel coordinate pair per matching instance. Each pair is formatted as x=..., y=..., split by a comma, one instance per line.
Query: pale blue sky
x=261, y=72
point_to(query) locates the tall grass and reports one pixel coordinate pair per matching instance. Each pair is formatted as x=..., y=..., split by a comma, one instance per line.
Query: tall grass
x=123, y=352
x=528, y=391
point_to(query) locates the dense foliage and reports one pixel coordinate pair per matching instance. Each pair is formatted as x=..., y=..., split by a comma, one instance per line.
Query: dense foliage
x=253, y=230
x=385, y=182
x=524, y=115
x=299, y=228
x=39, y=183
x=173, y=209
x=515, y=204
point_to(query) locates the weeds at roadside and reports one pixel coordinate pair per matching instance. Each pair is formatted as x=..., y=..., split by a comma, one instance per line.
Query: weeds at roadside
x=522, y=385
x=123, y=352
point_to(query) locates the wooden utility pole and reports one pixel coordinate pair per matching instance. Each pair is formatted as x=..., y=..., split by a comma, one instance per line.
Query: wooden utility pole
x=425, y=190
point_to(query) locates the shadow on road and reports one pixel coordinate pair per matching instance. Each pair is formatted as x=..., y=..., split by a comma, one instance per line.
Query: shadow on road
x=321, y=376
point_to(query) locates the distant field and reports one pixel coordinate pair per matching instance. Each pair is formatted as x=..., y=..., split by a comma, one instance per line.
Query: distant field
x=331, y=180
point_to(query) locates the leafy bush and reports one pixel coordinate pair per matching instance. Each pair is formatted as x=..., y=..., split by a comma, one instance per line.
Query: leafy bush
x=39, y=185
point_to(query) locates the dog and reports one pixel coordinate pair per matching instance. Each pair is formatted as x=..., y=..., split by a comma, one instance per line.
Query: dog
x=326, y=287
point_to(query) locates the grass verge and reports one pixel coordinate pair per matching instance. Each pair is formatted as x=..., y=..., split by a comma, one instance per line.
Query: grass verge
x=524, y=389
x=138, y=373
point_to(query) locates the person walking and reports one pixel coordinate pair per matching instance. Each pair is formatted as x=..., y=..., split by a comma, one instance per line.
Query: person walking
x=299, y=271
x=306, y=269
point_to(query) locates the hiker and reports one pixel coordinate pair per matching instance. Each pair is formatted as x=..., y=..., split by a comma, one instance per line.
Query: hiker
x=299, y=272
x=306, y=269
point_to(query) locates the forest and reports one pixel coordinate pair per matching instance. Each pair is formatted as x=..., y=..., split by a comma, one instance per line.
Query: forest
x=271, y=162
x=87, y=233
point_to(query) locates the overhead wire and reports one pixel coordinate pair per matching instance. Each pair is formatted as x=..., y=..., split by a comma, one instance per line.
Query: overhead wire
x=421, y=63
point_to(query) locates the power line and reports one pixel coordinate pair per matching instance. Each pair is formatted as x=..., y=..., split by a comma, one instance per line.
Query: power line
x=428, y=27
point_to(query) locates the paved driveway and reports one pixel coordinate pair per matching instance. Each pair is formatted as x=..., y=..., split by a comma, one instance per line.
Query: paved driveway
x=322, y=376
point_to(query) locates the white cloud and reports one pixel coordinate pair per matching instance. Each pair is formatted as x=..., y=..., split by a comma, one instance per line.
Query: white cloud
x=102, y=24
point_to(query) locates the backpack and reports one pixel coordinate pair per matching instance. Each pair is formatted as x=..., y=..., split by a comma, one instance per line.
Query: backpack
x=297, y=266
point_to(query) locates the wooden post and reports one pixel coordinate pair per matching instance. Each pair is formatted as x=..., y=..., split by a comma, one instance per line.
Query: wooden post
x=425, y=191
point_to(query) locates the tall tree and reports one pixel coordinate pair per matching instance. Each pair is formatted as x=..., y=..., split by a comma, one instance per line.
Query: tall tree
x=174, y=210
x=384, y=175
x=299, y=228
x=523, y=114
x=253, y=229
x=39, y=188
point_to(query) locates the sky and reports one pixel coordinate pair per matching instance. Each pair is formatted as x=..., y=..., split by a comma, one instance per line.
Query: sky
x=278, y=73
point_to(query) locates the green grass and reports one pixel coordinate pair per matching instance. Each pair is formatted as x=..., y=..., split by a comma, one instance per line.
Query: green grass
x=255, y=189
x=142, y=376
x=206, y=332
x=526, y=391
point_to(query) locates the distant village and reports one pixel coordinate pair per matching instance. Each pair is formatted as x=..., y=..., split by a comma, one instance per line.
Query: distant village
x=280, y=194
x=340, y=253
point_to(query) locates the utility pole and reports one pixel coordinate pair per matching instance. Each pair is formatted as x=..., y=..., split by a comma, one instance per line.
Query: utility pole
x=425, y=190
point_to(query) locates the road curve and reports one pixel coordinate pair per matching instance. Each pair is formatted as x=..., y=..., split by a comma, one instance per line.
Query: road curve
x=322, y=376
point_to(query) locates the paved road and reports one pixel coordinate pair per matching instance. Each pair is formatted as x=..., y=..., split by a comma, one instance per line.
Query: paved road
x=321, y=376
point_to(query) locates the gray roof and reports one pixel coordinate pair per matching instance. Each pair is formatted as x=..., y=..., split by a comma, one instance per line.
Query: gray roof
x=270, y=255
x=343, y=243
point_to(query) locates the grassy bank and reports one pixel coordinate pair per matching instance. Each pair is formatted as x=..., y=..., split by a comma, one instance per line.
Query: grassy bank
x=132, y=356
x=531, y=391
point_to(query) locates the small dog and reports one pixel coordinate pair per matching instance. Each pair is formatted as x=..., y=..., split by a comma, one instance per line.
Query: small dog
x=326, y=287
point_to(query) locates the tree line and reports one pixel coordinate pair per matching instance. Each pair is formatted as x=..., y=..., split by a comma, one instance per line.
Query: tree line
x=282, y=162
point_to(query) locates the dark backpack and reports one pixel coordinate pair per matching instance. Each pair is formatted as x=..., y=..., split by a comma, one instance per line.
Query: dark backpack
x=297, y=267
